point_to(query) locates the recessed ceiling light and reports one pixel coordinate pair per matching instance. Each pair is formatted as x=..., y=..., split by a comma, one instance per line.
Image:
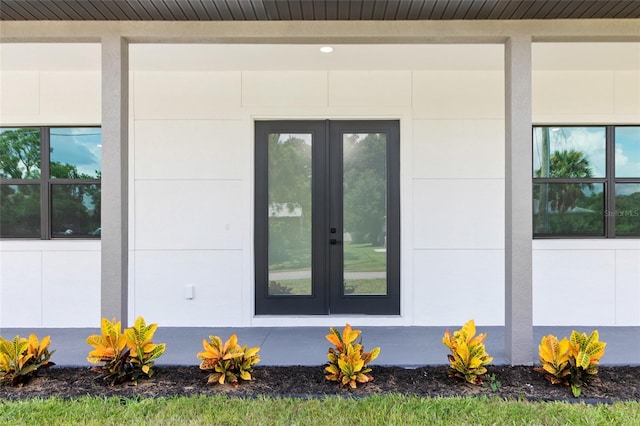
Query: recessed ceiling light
x=326, y=49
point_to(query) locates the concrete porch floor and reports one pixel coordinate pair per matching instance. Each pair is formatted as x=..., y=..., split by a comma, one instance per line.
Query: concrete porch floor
x=400, y=346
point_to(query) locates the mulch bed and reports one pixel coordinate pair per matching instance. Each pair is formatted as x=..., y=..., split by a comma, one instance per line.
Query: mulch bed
x=518, y=382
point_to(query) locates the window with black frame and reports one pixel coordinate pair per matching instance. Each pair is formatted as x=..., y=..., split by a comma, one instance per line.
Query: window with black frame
x=50, y=182
x=586, y=181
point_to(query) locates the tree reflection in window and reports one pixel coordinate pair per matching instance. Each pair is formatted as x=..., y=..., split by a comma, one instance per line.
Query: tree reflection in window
x=567, y=200
x=586, y=181
x=63, y=203
x=20, y=153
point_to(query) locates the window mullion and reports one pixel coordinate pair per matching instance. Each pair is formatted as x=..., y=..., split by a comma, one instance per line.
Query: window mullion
x=610, y=186
x=45, y=188
x=569, y=180
x=68, y=181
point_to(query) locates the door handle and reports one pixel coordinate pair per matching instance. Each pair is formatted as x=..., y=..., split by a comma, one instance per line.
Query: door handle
x=333, y=241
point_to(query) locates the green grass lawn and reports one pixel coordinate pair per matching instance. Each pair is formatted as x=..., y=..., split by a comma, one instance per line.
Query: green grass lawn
x=357, y=258
x=298, y=287
x=364, y=258
x=302, y=286
x=366, y=286
x=376, y=410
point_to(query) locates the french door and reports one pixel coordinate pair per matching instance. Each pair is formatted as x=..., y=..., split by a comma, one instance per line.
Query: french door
x=327, y=217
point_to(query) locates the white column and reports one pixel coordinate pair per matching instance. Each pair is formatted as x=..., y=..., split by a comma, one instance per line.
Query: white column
x=518, y=215
x=115, y=178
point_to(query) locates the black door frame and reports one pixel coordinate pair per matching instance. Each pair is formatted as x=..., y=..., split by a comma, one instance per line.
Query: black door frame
x=327, y=294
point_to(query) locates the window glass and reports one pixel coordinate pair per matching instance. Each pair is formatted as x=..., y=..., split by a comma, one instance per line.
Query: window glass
x=75, y=210
x=35, y=204
x=569, y=152
x=627, y=210
x=20, y=211
x=568, y=208
x=75, y=152
x=290, y=214
x=19, y=153
x=364, y=189
x=627, y=152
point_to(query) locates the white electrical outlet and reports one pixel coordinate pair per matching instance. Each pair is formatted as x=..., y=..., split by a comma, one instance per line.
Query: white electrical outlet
x=188, y=291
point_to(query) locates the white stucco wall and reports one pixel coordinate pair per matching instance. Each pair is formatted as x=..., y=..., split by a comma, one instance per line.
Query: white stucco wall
x=458, y=183
x=193, y=135
x=586, y=282
x=191, y=177
x=49, y=283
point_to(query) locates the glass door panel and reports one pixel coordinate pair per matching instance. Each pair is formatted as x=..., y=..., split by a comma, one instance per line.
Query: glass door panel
x=364, y=183
x=289, y=210
x=290, y=214
x=327, y=217
x=364, y=212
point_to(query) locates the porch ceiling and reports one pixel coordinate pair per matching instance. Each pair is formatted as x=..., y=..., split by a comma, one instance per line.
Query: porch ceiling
x=314, y=10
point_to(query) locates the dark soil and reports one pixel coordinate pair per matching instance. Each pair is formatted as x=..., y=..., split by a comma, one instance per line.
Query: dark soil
x=519, y=382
